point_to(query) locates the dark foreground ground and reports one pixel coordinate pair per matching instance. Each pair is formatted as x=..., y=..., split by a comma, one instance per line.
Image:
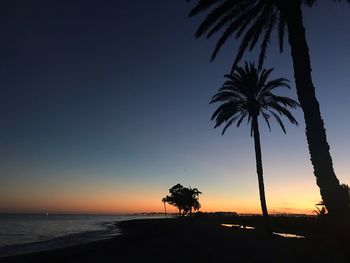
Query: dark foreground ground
x=197, y=240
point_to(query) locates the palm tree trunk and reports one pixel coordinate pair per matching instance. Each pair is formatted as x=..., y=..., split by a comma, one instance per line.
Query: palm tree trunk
x=166, y=215
x=326, y=179
x=259, y=171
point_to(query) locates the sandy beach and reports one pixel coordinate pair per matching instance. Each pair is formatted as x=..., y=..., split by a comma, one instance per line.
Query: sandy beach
x=199, y=240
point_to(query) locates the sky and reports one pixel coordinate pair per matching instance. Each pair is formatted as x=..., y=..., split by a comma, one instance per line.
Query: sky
x=104, y=106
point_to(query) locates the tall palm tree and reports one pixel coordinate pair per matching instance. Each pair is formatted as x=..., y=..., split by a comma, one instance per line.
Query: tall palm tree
x=247, y=93
x=254, y=20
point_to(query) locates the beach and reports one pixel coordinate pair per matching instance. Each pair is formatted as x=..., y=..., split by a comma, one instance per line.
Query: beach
x=186, y=240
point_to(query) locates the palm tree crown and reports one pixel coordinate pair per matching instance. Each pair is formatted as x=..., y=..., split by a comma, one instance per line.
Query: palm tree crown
x=247, y=93
x=252, y=20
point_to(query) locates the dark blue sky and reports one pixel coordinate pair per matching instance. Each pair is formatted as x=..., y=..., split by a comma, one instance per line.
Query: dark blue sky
x=115, y=93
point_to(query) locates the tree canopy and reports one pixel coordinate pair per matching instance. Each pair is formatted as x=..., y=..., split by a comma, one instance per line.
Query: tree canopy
x=185, y=199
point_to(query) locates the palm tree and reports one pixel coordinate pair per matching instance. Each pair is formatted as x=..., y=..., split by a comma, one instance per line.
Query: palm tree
x=253, y=20
x=247, y=93
x=164, y=200
x=191, y=195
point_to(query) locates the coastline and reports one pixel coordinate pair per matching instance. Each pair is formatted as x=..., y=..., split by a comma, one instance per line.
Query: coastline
x=29, y=233
x=173, y=240
x=58, y=242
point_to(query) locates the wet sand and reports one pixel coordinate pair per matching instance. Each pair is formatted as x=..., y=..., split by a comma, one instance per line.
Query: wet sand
x=173, y=240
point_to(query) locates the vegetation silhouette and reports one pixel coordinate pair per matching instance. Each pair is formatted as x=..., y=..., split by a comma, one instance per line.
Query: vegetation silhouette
x=321, y=209
x=252, y=20
x=164, y=203
x=247, y=93
x=185, y=199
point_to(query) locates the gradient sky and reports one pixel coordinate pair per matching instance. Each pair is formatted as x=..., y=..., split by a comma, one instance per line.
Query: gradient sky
x=104, y=107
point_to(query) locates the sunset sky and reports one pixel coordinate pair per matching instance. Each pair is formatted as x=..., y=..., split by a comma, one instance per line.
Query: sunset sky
x=104, y=106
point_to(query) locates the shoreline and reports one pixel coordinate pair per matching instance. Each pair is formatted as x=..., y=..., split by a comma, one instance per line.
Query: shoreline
x=101, y=227
x=60, y=242
x=186, y=240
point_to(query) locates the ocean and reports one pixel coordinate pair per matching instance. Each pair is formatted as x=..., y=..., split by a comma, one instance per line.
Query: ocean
x=25, y=233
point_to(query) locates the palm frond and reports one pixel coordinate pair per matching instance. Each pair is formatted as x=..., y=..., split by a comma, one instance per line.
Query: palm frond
x=281, y=30
x=274, y=84
x=226, y=95
x=249, y=21
x=203, y=5
x=257, y=18
x=261, y=23
x=283, y=111
x=287, y=102
x=225, y=112
x=266, y=40
x=279, y=121
x=266, y=118
x=227, y=17
x=241, y=118
x=264, y=75
x=228, y=124
x=212, y=18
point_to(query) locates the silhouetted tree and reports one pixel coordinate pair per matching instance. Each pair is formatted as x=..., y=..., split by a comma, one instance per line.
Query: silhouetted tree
x=253, y=20
x=247, y=93
x=175, y=197
x=191, y=195
x=164, y=200
x=183, y=198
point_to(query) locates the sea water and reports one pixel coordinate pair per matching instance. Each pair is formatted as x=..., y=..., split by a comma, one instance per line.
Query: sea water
x=24, y=233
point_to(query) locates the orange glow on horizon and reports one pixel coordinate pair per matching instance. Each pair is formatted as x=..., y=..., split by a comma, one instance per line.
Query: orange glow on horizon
x=102, y=206
x=107, y=197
